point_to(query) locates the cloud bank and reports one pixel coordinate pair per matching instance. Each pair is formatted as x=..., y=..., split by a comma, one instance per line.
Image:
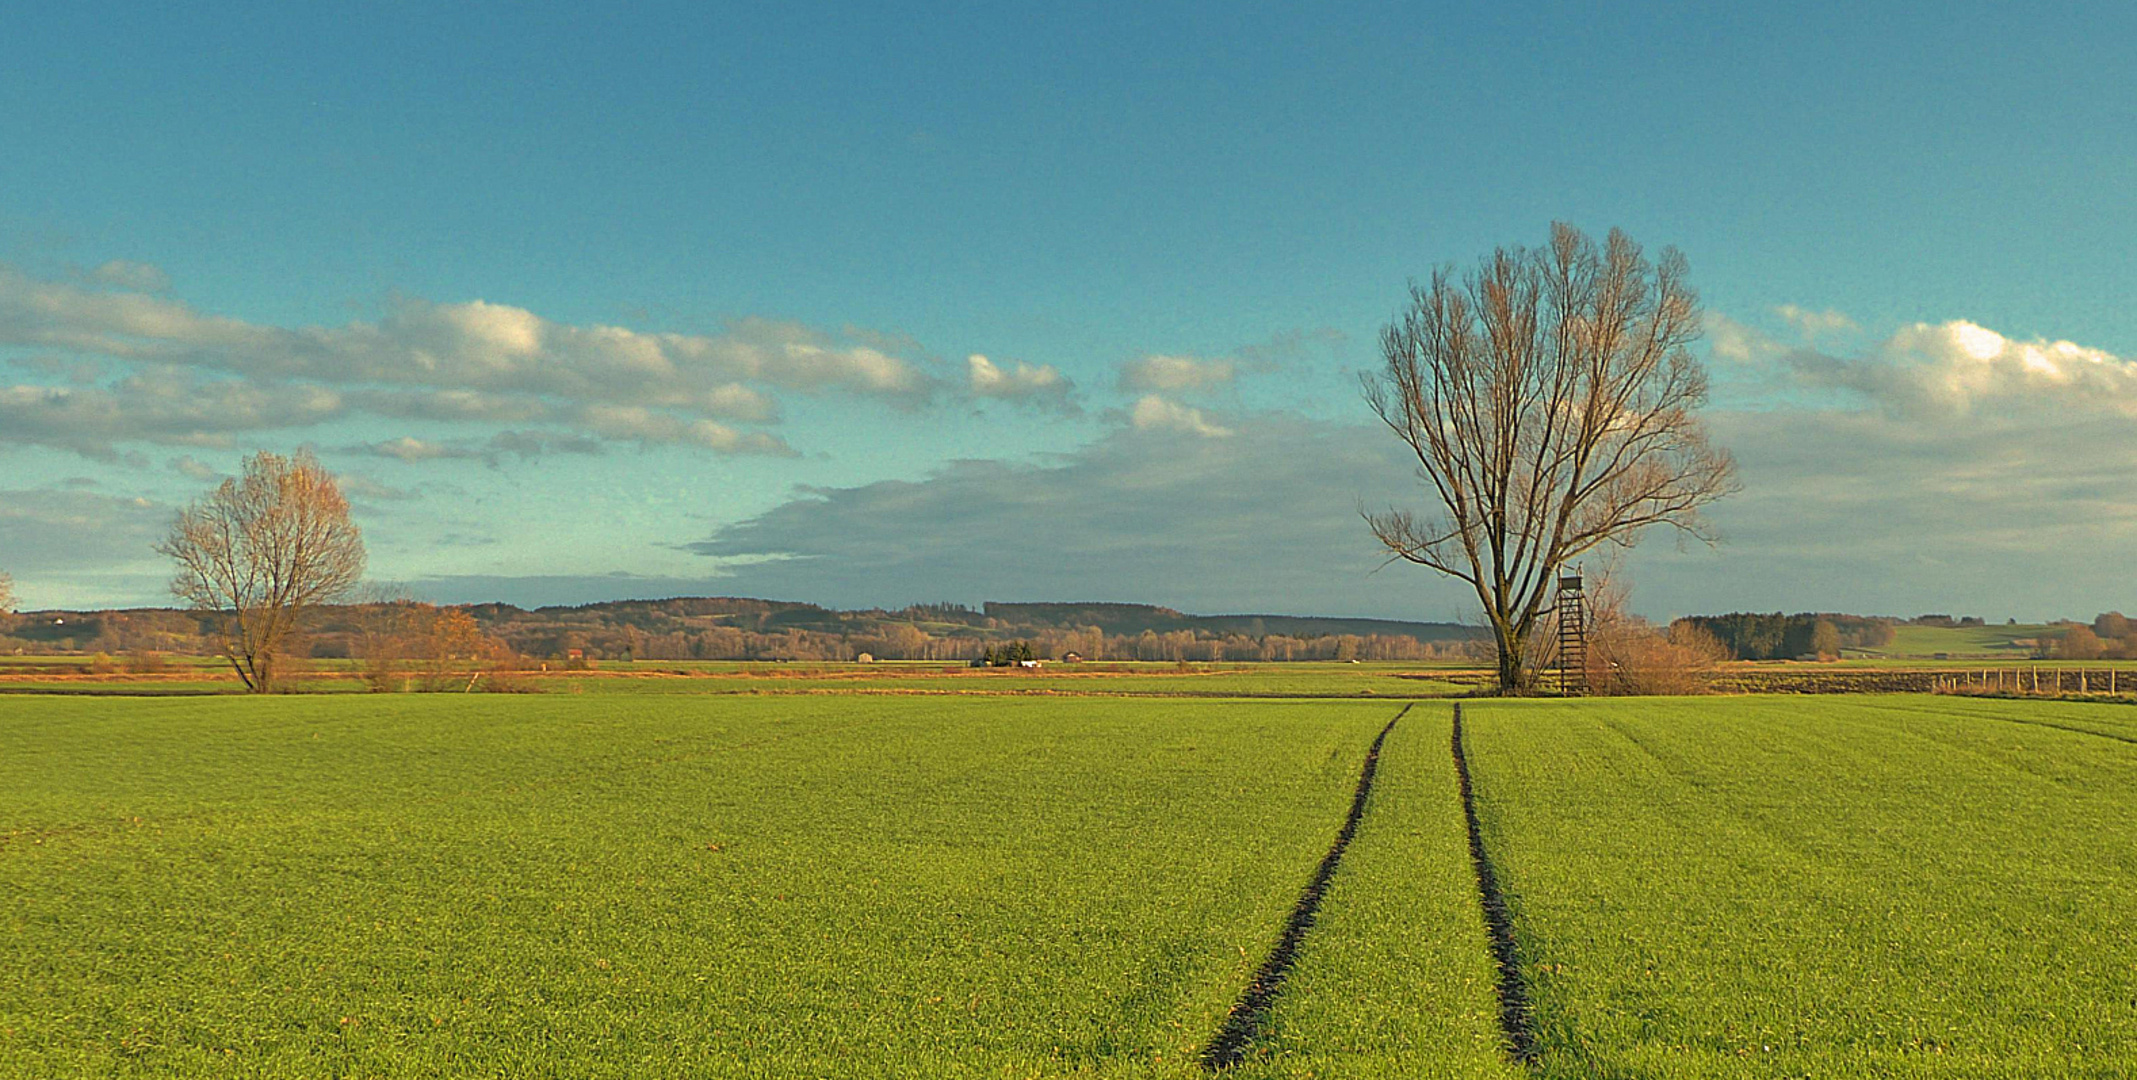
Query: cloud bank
x=139, y=366
x=1156, y=515
x=1874, y=501
x=1949, y=370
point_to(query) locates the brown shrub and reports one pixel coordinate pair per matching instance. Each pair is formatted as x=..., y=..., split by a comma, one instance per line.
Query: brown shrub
x=408, y=645
x=2077, y=643
x=1629, y=657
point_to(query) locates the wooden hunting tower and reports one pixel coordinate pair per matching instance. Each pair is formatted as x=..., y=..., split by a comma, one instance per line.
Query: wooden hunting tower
x=1572, y=636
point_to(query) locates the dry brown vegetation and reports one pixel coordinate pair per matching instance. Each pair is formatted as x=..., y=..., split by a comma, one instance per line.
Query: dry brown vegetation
x=1627, y=655
x=412, y=646
x=2110, y=637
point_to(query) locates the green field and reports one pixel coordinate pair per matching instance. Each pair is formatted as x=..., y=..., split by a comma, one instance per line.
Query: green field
x=661, y=883
x=2013, y=641
x=196, y=675
x=654, y=886
x=1865, y=886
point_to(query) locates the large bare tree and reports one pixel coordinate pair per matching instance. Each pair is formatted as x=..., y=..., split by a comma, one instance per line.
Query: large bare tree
x=1551, y=401
x=260, y=550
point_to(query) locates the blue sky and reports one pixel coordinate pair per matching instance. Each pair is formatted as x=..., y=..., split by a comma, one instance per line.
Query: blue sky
x=685, y=299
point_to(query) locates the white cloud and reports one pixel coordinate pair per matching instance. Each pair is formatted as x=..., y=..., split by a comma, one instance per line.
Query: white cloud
x=531, y=444
x=1174, y=374
x=1959, y=367
x=363, y=488
x=193, y=468
x=1732, y=341
x=1815, y=324
x=474, y=361
x=127, y=274
x=522, y=444
x=412, y=450
x=1952, y=369
x=475, y=345
x=158, y=405
x=1154, y=413
x=628, y=422
x=1040, y=384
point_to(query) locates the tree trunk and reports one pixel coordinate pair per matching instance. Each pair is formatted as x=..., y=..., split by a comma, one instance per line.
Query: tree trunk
x=1513, y=674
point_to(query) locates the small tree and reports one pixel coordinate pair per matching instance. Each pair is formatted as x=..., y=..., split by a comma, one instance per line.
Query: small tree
x=454, y=650
x=2112, y=625
x=262, y=550
x=1551, y=401
x=1825, y=640
x=2078, y=643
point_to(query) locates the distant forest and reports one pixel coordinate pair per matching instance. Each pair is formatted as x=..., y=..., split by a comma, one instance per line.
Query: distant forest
x=730, y=628
x=1749, y=636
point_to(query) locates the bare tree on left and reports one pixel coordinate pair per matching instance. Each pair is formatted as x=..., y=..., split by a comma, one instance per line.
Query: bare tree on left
x=260, y=551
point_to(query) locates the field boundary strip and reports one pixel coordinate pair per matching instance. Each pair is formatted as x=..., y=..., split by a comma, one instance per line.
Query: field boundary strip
x=1244, y=1023
x=1498, y=921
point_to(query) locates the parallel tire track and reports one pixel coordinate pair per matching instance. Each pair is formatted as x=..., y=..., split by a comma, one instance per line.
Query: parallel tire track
x=1498, y=922
x=1245, y=1021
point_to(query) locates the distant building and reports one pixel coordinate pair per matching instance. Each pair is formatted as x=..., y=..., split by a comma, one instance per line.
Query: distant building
x=1072, y=658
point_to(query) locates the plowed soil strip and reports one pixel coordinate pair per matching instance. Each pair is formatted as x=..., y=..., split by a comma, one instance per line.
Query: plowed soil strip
x=1513, y=994
x=1245, y=1020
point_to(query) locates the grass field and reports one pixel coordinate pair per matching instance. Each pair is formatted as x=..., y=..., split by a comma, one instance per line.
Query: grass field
x=1820, y=887
x=1395, y=980
x=613, y=884
x=1999, y=642
x=589, y=887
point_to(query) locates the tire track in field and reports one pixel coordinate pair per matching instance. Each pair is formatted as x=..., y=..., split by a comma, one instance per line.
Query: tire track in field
x=1244, y=1023
x=1498, y=922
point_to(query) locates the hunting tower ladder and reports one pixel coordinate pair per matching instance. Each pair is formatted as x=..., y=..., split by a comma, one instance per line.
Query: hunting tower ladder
x=1572, y=637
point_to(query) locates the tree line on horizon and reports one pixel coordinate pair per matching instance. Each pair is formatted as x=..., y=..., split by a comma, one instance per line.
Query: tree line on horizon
x=358, y=632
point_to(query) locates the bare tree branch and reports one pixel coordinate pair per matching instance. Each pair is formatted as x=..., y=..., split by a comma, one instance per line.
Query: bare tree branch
x=261, y=550
x=1551, y=401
